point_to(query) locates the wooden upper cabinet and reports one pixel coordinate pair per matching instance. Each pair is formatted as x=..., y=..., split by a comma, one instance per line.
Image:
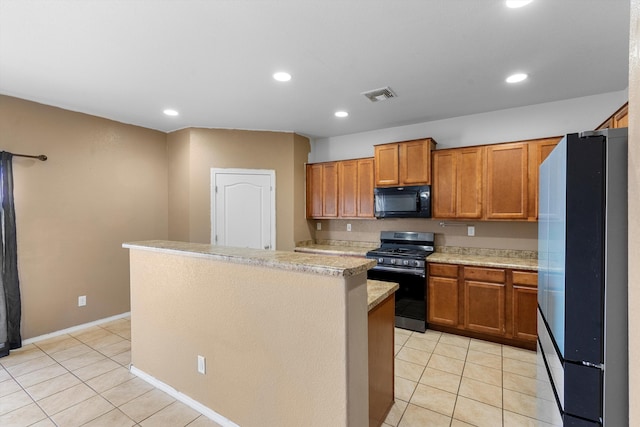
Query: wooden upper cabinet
x=506, y=195
x=387, y=165
x=330, y=190
x=457, y=183
x=539, y=149
x=415, y=162
x=444, y=191
x=364, y=201
x=469, y=182
x=322, y=190
x=356, y=188
x=348, y=174
x=403, y=163
x=314, y=191
x=619, y=119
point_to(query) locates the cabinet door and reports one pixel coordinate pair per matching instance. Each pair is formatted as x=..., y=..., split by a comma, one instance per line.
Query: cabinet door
x=525, y=302
x=538, y=151
x=330, y=189
x=507, y=181
x=524, y=305
x=443, y=301
x=386, y=159
x=348, y=188
x=415, y=162
x=442, y=294
x=621, y=117
x=484, y=307
x=444, y=184
x=364, y=201
x=469, y=182
x=314, y=191
x=484, y=300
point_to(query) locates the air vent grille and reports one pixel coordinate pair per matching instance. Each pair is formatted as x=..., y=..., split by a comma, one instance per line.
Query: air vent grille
x=380, y=94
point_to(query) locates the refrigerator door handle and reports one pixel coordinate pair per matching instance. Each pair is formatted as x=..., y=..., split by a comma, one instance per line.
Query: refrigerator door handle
x=593, y=365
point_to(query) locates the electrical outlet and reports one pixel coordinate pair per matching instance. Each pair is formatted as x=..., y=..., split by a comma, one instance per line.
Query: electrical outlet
x=471, y=230
x=318, y=226
x=82, y=301
x=201, y=365
x=348, y=227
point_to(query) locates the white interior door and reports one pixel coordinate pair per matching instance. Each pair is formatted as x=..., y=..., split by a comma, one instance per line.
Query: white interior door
x=243, y=208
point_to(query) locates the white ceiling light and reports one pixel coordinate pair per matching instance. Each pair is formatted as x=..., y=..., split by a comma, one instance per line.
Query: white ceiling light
x=170, y=112
x=517, y=3
x=516, y=78
x=341, y=114
x=281, y=76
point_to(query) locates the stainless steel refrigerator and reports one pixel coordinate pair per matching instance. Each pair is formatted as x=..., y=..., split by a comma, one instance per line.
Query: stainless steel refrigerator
x=582, y=278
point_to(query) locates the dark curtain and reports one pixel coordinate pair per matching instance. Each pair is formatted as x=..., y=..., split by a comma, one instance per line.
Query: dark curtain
x=10, y=304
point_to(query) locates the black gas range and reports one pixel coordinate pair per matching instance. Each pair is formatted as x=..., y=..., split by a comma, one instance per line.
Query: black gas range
x=401, y=258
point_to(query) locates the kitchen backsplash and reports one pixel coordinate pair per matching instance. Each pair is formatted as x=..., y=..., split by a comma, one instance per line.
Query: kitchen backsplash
x=489, y=235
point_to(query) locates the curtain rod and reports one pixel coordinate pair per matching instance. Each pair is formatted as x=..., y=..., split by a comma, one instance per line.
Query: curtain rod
x=41, y=157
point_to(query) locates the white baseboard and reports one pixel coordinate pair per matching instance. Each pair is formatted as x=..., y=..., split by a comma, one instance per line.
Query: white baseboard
x=194, y=404
x=75, y=328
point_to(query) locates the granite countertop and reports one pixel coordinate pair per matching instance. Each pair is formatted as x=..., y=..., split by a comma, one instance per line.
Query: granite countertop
x=338, y=249
x=285, y=260
x=497, y=258
x=530, y=264
x=378, y=291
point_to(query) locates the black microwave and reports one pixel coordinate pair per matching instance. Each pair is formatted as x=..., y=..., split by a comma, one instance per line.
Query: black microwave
x=403, y=202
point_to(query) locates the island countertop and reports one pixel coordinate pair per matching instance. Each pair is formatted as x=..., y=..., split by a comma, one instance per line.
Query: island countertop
x=378, y=291
x=285, y=260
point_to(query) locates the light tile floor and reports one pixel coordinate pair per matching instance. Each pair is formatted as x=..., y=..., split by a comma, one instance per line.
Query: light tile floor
x=454, y=381
x=82, y=379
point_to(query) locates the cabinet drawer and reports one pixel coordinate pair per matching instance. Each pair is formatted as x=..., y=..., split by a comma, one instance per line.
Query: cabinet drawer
x=485, y=274
x=443, y=270
x=525, y=278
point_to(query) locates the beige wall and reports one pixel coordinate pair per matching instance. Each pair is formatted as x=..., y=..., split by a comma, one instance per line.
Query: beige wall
x=104, y=183
x=488, y=234
x=198, y=150
x=179, y=189
x=634, y=216
x=274, y=355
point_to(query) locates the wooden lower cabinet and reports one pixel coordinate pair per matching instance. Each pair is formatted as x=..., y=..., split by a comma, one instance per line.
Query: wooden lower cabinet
x=443, y=294
x=488, y=303
x=381, y=360
x=524, y=305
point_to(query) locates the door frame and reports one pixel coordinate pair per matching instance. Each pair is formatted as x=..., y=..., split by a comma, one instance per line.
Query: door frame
x=235, y=171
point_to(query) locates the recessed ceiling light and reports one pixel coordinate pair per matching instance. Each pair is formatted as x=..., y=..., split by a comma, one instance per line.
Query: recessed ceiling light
x=170, y=112
x=516, y=78
x=341, y=114
x=282, y=76
x=517, y=3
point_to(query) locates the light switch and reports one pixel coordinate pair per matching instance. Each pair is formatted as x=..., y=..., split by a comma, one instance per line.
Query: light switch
x=471, y=230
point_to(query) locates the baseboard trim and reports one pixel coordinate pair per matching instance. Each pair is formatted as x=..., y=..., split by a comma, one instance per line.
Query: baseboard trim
x=194, y=404
x=75, y=328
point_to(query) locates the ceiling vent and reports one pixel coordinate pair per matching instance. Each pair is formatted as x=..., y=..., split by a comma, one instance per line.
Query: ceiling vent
x=380, y=94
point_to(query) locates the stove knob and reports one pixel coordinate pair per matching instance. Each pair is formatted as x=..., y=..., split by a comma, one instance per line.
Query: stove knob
x=380, y=260
x=417, y=263
x=405, y=262
x=393, y=261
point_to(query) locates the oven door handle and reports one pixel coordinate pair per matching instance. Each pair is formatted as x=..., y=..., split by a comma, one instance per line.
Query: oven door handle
x=398, y=271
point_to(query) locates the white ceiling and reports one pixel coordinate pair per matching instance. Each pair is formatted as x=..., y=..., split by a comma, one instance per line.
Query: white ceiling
x=213, y=60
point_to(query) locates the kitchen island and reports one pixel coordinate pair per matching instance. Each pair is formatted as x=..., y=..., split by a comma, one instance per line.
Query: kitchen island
x=284, y=335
